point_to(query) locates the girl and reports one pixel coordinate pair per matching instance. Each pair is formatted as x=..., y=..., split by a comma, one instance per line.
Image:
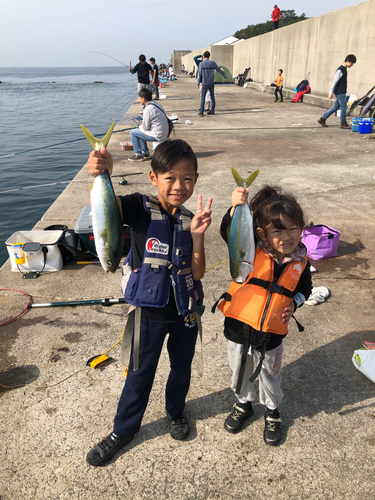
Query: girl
x=257, y=312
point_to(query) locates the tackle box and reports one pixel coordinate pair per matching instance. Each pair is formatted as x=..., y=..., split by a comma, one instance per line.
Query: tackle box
x=84, y=231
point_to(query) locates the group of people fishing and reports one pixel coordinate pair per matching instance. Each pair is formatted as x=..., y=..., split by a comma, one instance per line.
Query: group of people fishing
x=162, y=283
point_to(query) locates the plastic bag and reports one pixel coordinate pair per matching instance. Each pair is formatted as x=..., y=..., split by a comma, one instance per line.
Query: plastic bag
x=364, y=361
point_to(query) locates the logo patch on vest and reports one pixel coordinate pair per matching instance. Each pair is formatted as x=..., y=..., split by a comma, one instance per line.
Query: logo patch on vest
x=153, y=245
x=296, y=270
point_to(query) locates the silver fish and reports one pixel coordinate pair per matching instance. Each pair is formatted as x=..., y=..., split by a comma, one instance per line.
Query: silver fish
x=241, y=243
x=105, y=211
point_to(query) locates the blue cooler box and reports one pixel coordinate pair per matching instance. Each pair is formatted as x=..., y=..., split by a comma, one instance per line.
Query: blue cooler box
x=355, y=124
x=365, y=126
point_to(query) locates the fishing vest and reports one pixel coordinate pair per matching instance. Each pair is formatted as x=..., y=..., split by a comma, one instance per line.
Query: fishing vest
x=260, y=301
x=166, y=261
x=341, y=85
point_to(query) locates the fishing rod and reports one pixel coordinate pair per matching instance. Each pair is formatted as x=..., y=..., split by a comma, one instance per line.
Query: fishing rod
x=62, y=182
x=101, y=53
x=59, y=144
x=103, y=302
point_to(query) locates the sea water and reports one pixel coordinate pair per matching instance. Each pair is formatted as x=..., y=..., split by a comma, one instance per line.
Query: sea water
x=43, y=106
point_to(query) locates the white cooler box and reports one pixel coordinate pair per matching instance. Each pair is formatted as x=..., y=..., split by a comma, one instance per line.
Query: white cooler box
x=34, y=260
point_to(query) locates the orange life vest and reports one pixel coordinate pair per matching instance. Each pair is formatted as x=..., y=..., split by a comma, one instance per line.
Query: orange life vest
x=260, y=301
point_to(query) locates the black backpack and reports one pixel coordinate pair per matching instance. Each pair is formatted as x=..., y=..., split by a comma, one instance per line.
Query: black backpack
x=302, y=86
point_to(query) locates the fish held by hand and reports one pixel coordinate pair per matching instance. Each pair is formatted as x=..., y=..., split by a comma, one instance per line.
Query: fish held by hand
x=241, y=242
x=105, y=211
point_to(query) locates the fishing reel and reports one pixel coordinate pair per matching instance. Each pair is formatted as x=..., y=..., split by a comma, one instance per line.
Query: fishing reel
x=123, y=182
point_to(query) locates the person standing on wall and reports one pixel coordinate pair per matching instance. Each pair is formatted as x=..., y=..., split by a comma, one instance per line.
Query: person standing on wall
x=339, y=87
x=206, y=72
x=155, y=79
x=275, y=17
x=144, y=70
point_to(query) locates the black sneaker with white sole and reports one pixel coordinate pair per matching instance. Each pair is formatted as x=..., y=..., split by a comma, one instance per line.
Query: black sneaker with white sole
x=102, y=452
x=137, y=158
x=272, y=431
x=235, y=420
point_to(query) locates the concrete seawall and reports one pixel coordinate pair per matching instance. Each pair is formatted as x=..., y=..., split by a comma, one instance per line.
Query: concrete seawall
x=61, y=407
x=317, y=45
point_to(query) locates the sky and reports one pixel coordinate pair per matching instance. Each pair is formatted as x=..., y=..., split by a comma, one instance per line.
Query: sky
x=54, y=33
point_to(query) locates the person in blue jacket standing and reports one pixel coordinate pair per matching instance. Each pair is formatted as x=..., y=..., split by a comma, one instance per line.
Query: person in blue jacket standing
x=206, y=72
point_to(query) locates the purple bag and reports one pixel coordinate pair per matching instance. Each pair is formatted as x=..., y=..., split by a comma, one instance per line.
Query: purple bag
x=321, y=241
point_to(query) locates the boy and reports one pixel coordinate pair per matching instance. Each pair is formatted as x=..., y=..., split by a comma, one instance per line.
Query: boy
x=162, y=231
x=279, y=86
x=155, y=78
x=339, y=87
x=154, y=127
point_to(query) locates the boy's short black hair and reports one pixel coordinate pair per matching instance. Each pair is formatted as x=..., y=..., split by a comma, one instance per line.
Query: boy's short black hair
x=169, y=153
x=152, y=59
x=142, y=58
x=281, y=70
x=351, y=58
x=146, y=93
x=206, y=54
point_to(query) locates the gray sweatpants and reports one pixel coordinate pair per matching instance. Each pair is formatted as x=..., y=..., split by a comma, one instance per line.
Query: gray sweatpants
x=144, y=86
x=270, y=393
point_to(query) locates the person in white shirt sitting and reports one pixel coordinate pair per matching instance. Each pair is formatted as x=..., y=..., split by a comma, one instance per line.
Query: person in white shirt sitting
x=154, y=127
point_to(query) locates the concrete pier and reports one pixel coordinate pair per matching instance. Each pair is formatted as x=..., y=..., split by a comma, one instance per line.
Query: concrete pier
x=62, y=407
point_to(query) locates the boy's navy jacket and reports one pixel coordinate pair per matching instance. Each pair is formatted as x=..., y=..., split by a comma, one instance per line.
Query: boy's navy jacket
x=160, y=256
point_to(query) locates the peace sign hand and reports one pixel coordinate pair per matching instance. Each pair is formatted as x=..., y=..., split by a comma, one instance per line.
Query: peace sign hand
x=202, y=218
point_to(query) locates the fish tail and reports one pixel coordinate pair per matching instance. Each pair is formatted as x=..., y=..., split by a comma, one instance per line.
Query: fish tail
x=94, y=141
x=244, y=182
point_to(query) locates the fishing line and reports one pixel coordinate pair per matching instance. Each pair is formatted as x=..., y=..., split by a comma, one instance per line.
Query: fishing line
x=119, y=110
x=62, y=182
x=101, y=53
x=130, y=92
x=60, y=143
x=43, y=185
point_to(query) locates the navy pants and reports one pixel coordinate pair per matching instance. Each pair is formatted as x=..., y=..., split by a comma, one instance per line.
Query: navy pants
x=211, y=88
x=181, y=346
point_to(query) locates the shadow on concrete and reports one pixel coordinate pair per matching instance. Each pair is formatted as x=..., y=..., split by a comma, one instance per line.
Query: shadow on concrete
x=346, y=248
x=207, y=154
x=19, y=376
x=323, y=380
x=348, y=258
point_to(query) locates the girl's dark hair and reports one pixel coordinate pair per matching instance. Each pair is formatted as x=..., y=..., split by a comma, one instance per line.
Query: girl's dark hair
x=169, y=153
x=268, y=204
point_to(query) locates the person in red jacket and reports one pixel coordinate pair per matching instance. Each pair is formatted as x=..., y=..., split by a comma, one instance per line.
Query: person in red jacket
x=275, y=17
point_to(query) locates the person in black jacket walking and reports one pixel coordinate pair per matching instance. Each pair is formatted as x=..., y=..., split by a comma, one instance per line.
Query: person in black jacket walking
x=339, y=87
